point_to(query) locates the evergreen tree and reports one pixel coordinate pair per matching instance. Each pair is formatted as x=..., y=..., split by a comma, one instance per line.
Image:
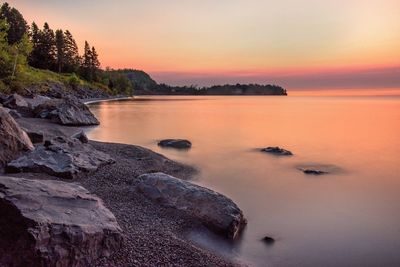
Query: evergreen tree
x=44, y=52
x=95, y=64
x=71, y=53
x=17, y=24
x=86, y=66
x=60, y=46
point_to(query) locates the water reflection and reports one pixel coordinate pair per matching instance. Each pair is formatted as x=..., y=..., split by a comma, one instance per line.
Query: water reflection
x=350, y=217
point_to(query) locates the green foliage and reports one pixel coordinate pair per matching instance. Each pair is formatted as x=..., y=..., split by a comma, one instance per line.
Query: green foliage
x=44, y=53
x=5, y=56
x=74, y=81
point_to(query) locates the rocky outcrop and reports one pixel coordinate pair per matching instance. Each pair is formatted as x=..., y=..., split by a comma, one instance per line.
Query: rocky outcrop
x=175, y=143
x=81, y=136
x=52, y=223
x=277, y=151
x=215, y=211
x=69, y=111
x=13, y=140
x=15, y=101
x=61, y=157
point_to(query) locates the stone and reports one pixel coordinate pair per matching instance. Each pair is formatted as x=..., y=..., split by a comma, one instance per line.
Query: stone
x=15, y=101
x=53, y=223
x=13, y=140
x=61, y=157
x=314, y=171
x=81, y=136
x=69, y=111
x=277, y=151
x=15, y=114
x=36, y=137
x=175, y=143
x=268, y=240
x=36, y=101
x=215, y=211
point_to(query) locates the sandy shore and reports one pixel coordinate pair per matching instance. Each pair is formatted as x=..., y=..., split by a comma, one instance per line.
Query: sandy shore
x=154, y=236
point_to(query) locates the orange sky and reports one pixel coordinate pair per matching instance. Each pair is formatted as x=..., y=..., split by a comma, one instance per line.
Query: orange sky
x=202, y=42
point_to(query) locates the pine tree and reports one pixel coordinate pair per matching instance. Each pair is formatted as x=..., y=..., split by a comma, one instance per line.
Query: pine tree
x=17, y=24
x=44, y=52
x=95, y=64
x=71, y=53
x=60, y=46
x=86, y=66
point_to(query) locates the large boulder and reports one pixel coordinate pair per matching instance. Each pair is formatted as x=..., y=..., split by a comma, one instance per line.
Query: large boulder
x=175, y=143
x=52, y=223
x=61, y=157
x=69, y=111
x=13, y=140
x=215, y=211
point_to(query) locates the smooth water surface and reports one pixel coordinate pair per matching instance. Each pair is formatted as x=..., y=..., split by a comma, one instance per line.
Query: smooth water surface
x=350, y=217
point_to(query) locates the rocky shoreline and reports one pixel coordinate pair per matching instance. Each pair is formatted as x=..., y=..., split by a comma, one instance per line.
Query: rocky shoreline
x=153, y=223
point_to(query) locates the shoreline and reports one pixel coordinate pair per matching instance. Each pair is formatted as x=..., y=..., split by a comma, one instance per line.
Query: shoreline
x=154, y=235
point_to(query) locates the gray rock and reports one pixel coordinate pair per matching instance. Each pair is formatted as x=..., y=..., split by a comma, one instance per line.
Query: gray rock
x=277, y=151
x=15, y=114
x=81, y=136
x=175, y=143
x=52, y=223
x=215, y=211
x=36, y=101
x=13, y=140
x=69, y=111
x=15, y=101
x=65, y=158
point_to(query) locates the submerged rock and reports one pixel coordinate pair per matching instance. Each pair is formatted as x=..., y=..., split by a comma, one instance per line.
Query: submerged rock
x=69, y=111
x=277, y=151
x=175, y=143
x=217, y=212
x=61, y=157
x=13, y=140
x=52, y=223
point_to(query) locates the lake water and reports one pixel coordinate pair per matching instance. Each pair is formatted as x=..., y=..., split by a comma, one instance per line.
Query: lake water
x=350, y=217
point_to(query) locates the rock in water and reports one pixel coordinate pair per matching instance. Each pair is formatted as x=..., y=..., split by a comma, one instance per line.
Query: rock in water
x=175, y=143
x=268, y=240
x=13, y=140
x=69, y=111
x=52, y=223
x=277, y=151
x=217, y=212
x=81, y=136
x=61, y=157
x=314, y=171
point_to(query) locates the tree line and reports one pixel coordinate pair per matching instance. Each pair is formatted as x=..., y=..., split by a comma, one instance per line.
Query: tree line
x=42, y=48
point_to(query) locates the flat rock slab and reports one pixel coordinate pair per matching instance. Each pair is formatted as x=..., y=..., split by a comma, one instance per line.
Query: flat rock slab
x=175, y=143
x=13, y=140
x=61, y=157
x=277, y=151
x=52, y=223
x=215, y=211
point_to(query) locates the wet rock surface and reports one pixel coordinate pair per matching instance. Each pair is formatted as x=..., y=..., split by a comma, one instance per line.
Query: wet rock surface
x=277, y=151
x=217, y=212
x=61, y=157
x=175, y=143
x=52, y=223
x=13, y=140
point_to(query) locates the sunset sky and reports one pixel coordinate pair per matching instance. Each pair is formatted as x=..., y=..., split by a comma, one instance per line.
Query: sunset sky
x=300, y=44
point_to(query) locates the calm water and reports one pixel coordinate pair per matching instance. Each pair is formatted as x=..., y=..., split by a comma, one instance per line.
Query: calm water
x=350, y=217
